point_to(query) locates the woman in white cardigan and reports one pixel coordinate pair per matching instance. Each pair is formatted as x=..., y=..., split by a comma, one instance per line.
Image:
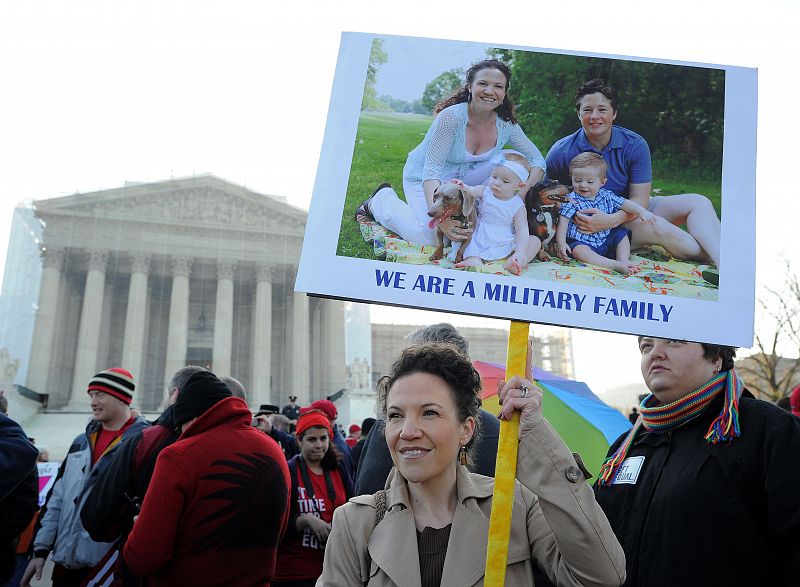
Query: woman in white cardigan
x=471, y=127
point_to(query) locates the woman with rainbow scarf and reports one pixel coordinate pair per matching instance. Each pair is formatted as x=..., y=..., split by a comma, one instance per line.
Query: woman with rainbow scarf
x=703, y=489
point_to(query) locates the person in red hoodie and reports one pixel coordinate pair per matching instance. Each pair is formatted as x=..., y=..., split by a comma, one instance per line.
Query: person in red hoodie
x=218, y=503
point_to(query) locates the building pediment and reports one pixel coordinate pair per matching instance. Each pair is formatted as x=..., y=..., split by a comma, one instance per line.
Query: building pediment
x=204, y=201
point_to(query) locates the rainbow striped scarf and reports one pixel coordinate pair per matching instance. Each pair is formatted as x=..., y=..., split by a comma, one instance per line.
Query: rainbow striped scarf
x=664, y=417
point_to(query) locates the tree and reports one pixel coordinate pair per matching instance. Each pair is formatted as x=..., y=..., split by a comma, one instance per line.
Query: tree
x=396, y=104
x=441, y=87
x=377, y=57
x=678, y=110
x=774, y=369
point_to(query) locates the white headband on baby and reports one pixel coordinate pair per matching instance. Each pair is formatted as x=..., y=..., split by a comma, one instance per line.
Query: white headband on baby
x=518, y=169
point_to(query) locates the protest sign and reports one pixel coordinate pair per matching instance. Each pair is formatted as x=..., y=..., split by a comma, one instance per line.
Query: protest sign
x=684, y=133
x=47, y=477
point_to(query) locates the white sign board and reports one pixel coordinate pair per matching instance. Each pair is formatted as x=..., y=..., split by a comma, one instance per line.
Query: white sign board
x=678, y=138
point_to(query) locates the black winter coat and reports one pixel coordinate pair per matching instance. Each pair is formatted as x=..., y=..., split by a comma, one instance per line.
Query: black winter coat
x=16, y=512
x=19, y=489
x=702, y=514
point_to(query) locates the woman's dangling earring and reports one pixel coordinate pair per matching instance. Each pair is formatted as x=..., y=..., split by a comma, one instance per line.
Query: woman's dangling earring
x=462, y=455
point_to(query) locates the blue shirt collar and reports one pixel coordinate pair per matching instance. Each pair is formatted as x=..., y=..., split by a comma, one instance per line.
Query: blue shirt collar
x=617, y=141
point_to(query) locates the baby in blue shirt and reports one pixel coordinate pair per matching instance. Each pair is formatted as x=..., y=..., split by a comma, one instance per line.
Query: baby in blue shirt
x=609, y=248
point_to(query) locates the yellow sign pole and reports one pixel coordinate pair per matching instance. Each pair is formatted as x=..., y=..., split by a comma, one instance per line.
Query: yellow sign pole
x=506, y=467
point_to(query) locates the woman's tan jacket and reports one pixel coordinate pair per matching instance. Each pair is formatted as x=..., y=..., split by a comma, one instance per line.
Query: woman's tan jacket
x=560, y=528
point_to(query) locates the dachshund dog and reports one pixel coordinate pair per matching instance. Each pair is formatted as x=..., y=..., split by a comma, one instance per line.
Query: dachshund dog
x=543, y=204
x=458, y=203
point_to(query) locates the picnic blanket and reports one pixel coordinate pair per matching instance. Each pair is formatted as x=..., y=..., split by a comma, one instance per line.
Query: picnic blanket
x=661, y=273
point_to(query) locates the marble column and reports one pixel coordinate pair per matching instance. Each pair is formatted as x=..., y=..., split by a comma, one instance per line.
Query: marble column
x=260, y=389
x=316, y=346
x=178, y=330
x=299, y=368
x=89, y=329
x=334, y=362
x=133, y=341
x=223, y=319
x=44, y=330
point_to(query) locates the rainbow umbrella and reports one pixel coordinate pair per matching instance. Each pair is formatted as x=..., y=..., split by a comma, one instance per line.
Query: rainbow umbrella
x=587, y=425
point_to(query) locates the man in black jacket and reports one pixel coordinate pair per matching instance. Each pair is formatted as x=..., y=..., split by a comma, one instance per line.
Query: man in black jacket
x=19, y=490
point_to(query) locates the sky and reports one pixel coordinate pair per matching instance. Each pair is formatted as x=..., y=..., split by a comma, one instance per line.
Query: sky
x=94, y=94
x=410, y=66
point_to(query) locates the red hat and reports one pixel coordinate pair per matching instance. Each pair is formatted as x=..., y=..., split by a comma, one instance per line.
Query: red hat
x=327, y=407
x=795, y=401
x=310, y=419
x=354, y=428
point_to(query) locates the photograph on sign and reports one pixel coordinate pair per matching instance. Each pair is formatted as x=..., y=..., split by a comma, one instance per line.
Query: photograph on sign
x=575, y=189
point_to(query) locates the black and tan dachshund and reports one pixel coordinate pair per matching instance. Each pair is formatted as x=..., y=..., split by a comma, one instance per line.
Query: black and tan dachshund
x=543, y=204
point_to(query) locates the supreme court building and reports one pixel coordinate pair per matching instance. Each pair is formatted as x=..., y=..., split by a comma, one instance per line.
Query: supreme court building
x=151, y=277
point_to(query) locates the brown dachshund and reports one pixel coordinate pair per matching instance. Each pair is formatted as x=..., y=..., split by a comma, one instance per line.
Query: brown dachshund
x=458, y=203
x=543, y=204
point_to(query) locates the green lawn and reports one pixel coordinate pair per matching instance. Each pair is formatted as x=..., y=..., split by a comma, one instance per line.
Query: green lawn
x=382, y=144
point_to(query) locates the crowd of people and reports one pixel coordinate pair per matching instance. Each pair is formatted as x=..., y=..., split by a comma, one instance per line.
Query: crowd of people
x=700, y=491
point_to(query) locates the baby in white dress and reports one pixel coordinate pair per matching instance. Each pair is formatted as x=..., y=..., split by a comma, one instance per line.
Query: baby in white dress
x=502, y=227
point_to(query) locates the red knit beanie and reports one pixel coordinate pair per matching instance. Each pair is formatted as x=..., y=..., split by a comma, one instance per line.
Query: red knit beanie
x=115, y=381
x=326, y=406
x=310, y=419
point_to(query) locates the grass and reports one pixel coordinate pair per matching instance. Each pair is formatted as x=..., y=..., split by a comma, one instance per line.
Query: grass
x=383, y=142
x=709, y=188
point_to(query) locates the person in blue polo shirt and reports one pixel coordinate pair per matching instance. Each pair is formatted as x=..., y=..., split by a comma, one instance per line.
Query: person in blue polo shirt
x=630, y=175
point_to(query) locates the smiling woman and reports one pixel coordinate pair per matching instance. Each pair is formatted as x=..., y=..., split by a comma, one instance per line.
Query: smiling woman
x=436, y=522
x=471, y=127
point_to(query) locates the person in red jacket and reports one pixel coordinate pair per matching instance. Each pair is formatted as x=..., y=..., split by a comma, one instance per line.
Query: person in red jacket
x=218, y=502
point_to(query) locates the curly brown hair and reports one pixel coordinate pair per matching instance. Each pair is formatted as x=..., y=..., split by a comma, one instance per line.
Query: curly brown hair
x=446, y=362
x=506, y=109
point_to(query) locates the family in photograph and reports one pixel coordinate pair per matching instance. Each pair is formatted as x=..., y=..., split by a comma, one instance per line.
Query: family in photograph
x=475, y=140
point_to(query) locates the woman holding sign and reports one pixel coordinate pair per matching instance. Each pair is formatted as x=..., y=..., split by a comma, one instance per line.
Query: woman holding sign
x=430, y=526
x=471, y=127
